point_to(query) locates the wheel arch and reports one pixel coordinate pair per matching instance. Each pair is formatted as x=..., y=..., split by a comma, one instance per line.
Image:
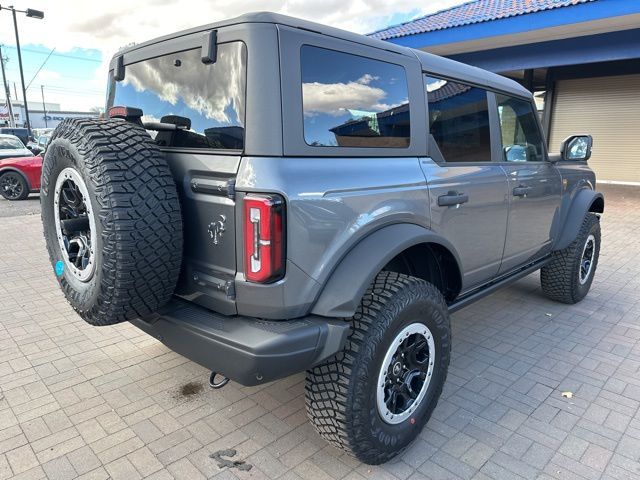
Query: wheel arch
x=4, y=170
x=403, y=248
x=586, y=201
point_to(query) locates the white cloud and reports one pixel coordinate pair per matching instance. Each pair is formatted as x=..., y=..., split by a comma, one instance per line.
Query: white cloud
x=336, y=98
x=108, y=25
x=366, y=79
x=46, y=75
x=211, y=98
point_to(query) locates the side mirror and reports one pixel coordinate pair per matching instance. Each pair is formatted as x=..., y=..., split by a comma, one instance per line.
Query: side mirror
x=577, y=148
x=515, y=153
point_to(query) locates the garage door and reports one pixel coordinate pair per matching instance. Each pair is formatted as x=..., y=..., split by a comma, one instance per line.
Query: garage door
x=609, y=109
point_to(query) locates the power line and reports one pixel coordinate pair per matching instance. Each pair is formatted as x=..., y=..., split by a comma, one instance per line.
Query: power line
x=43, y=64
x=76, y=57
x=83, y=90
x=28, y=72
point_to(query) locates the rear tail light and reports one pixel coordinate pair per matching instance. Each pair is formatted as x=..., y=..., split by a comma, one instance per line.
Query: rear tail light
x=264, y=241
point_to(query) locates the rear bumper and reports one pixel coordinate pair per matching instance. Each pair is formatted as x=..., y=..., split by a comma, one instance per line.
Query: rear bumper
x=247, y=350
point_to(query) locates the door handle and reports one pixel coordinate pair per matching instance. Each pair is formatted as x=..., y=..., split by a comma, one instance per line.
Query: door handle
x=521, y=191
x=452, y=199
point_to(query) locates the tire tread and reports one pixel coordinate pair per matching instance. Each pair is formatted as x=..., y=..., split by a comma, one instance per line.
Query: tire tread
x=330, y=398
x=139, y=211
x=559, y=278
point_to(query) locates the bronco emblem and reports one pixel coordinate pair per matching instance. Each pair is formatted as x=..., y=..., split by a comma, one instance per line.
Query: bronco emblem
x=217, y=229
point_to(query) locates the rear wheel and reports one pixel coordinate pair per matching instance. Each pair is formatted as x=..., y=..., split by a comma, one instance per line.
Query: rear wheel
x=13, y=186
x=374, y=398
x=111, y=218
x=568, y=277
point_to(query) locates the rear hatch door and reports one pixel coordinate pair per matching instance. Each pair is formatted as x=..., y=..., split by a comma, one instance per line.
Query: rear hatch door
x=194, y=109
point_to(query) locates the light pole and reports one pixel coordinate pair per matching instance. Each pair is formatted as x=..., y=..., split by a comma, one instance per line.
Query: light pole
x=30, y=12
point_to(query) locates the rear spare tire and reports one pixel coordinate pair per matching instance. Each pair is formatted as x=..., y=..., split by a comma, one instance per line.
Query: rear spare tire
x=111, y=218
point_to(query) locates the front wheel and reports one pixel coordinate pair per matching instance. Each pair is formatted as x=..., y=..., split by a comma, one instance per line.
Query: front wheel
x=568, y=276
x=374, y=397
x=13, y=186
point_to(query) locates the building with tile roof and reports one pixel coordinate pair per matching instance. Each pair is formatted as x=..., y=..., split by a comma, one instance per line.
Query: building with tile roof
x=580, y=57
x=476, y=11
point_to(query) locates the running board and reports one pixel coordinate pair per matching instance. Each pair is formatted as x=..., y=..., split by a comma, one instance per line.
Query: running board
x=496, y=284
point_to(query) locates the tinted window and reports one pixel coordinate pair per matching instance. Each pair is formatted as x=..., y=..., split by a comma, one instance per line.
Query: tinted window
x=352, y=101
x=521, y=139
x=206, y=101
x=21, y=133
x=9, y=143
x=459, y=120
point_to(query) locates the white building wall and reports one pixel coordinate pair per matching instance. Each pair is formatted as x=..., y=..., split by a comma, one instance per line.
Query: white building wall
x=38, y=118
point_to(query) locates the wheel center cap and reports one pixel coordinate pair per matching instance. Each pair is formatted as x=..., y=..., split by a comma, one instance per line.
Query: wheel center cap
x=397, y=369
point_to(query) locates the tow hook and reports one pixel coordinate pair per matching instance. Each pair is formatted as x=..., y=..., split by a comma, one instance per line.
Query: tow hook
x=219, y=384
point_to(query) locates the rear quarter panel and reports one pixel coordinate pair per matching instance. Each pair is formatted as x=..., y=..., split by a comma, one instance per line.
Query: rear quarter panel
x=332, y=204
x=33, y=170
x=30, y=167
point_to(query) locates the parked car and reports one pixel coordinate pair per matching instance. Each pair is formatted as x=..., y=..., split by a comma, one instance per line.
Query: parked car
x=21, y=133
x=306, y=198
x=12, y=146
x=39, y=145
x=38, y=132
x=20, y=176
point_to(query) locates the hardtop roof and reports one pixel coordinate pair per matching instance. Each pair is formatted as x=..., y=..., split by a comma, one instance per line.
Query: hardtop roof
x=430, y=63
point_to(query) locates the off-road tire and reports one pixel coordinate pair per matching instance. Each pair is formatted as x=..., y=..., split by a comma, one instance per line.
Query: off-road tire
x=137, y=215
x=341, y=392
x=24, y=192
x=560, y=277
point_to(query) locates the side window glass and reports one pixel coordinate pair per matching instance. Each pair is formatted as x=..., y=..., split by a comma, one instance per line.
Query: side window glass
x=353, y=101
x=521, y=139
x=459, y=120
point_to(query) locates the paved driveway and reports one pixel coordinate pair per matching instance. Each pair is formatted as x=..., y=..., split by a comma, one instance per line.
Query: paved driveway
x=113, y=402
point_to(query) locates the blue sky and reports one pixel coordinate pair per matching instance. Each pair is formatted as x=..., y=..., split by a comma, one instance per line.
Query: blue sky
x=68, y=77
x=85, y=34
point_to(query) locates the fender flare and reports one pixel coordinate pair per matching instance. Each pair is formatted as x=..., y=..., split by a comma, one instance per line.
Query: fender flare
x=580, y=206
x=349, y=281
x=18, y=171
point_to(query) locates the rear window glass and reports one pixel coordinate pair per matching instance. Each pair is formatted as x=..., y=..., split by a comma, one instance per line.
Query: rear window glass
x=206, y=101
x=459, y=120
x=353, y=101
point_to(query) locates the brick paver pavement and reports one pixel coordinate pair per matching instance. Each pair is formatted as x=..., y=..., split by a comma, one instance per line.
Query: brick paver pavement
x=111, y=402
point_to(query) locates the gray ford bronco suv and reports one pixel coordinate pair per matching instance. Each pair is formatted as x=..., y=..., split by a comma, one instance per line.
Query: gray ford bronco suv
x=270, y=196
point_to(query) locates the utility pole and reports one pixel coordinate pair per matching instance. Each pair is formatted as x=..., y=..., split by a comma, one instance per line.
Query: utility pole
x=24, y=90
x=7, y=93
x=29, y=12
x=44, y=107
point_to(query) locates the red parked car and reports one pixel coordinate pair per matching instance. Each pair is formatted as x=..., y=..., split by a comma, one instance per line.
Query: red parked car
x=19, y=177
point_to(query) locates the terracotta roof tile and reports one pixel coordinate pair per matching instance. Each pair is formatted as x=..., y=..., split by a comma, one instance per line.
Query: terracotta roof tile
x=476, y=11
